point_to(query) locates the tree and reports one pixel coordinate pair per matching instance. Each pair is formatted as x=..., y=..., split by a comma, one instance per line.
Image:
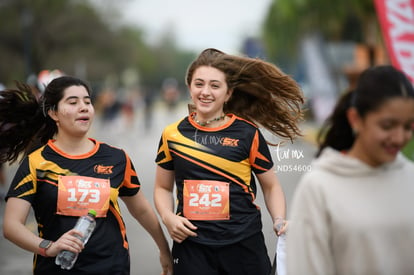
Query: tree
x=337, y=20
x=85, y=40
x=68, y=35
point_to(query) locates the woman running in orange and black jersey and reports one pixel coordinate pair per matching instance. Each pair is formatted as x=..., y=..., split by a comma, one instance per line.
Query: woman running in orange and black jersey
x=66, y=176
x=212, y=154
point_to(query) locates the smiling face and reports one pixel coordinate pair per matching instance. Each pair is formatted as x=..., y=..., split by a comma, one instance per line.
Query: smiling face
x=74, y=112
x=384, y=132
x=209, y=92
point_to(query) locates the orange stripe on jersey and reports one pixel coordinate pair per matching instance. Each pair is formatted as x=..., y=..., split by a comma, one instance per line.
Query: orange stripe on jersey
x=83, y=156
x=216, y=171
x=129, y=174
x=49, y=182
x=121, y=225
x=255, y=154
x=201, y=153
x=245, y=120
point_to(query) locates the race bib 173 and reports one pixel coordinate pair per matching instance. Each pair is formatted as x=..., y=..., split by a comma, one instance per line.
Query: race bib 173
x=77, y=194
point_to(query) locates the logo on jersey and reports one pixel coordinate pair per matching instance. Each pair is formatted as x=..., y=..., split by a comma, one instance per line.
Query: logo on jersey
x=101, y=169
x=230, y=142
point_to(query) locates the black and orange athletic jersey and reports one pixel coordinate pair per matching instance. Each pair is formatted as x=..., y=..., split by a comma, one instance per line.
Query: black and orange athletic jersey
x=230, y=153
x=36, y=181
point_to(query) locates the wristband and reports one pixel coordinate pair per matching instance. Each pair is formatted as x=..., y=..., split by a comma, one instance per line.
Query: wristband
x=43, y=246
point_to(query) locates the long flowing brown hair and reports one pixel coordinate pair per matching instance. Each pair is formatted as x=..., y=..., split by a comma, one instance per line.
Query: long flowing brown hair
x=262, y=93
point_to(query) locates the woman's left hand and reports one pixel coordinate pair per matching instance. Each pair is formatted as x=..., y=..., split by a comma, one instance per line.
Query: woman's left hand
x=280, y=226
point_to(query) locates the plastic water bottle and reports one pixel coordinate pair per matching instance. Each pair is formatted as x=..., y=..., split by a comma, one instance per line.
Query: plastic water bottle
x=280, y=260
x=85, y=224
x=281, y=255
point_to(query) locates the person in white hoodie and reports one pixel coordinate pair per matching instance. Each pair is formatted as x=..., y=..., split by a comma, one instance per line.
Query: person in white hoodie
x=353, y=213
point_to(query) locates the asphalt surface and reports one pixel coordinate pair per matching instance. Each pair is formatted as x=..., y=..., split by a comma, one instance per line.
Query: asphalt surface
x=291, y=160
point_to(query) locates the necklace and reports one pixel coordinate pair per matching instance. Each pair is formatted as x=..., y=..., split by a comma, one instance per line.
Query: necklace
x=208, y=121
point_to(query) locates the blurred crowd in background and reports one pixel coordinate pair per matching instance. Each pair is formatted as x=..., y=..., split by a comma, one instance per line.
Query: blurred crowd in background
x=324, y=45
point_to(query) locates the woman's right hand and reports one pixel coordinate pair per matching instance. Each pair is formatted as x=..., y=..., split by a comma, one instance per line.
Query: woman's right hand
x=179, y=227
x=68, y=241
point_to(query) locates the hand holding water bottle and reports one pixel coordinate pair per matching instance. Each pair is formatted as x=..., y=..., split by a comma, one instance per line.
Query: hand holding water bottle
x=84, y=228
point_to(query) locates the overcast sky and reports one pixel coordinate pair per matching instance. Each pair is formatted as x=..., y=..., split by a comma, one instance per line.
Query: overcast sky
x=197, y=24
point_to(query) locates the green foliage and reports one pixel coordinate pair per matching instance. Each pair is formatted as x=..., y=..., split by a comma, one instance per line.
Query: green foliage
x=290, y=20
x=409, y=150
x=75, y=37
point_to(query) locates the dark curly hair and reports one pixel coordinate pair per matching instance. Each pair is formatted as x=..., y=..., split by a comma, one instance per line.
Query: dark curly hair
x=24, y=119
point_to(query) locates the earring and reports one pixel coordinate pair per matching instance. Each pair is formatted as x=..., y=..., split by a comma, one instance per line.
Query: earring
x=354, y=132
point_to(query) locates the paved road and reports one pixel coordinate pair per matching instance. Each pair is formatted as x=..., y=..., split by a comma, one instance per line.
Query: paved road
x=141, y=145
